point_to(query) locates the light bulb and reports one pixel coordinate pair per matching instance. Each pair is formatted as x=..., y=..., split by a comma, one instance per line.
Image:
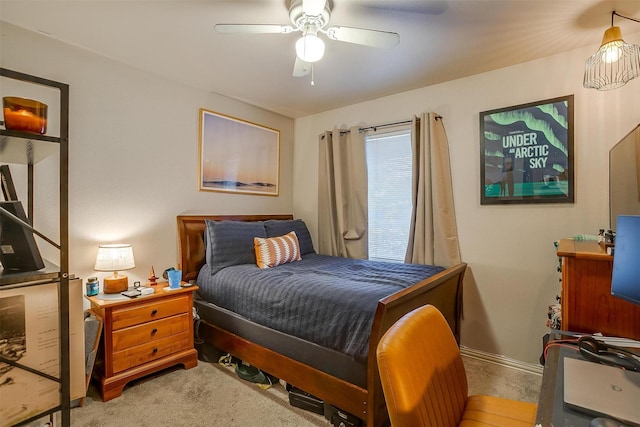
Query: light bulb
x=310, y=48
x=611, y=47
x=611, y=52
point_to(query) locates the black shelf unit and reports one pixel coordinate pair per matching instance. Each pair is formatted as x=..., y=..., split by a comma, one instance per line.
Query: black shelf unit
x=28, y=149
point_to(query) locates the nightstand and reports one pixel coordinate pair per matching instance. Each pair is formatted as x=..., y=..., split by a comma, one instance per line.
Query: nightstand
x=143, y=335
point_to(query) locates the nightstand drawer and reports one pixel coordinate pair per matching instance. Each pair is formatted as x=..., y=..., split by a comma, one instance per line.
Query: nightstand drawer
x=146, y=332
x=153, y=350
x=154, y=310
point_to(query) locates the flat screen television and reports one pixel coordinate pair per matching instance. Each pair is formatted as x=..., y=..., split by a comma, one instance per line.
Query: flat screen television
x=18, y=249
x=625, y=281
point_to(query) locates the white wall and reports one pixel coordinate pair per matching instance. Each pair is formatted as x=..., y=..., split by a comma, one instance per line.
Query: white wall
x=133, y=154
x=512, y=274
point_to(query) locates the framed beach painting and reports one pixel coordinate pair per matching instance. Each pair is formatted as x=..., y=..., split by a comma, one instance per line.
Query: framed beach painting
x=526, y=153
x=238, y=156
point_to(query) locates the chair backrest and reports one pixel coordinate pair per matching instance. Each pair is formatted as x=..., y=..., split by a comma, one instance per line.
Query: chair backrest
x=421, y=371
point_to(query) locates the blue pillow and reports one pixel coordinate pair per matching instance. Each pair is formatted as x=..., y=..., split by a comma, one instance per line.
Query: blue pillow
x=231, y=243
x=278, y=227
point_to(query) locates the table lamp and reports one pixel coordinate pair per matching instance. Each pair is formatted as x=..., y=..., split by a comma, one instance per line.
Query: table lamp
x=116, y=257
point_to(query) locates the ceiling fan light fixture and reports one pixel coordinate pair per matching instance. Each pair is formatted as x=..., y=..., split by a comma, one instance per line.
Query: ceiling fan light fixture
x=310, y=17
x=310, y=47
x=614, y=63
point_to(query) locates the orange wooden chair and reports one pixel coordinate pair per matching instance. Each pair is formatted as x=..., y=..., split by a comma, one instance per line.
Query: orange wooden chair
x=424, y=380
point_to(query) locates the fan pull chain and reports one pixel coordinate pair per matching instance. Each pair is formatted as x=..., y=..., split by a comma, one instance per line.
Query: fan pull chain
x=313, y=83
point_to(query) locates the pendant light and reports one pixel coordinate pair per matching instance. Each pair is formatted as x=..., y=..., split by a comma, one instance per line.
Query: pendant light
x=615, y=63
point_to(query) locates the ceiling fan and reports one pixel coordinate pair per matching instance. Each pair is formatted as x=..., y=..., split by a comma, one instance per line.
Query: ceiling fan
x=310, y=17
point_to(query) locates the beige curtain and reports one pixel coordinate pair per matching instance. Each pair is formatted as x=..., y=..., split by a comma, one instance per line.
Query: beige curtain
x=433, y=237
x=342, y=194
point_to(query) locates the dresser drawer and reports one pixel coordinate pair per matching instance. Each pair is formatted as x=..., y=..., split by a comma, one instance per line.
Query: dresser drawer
x=146, y=332
x=148, y=352
x=123, y=317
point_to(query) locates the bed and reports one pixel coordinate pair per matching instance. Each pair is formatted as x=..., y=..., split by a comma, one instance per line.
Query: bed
x=347, y=381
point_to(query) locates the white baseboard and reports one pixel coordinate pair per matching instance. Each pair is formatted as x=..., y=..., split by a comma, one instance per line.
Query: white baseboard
x=502, y=360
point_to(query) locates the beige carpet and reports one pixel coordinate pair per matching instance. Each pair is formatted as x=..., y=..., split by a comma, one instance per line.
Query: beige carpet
x=499, y=380
x=212, y=395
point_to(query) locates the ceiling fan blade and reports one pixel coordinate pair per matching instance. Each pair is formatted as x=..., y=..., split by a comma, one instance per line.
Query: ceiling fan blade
x=253, y=28
x=313, y=7
x=365, y=37
x=301, y=68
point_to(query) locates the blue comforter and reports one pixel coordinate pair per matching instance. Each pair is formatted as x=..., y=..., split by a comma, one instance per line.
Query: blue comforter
x=330, y=301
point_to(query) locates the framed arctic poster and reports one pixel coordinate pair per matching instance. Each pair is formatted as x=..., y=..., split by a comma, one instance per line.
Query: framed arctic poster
x=526, y=153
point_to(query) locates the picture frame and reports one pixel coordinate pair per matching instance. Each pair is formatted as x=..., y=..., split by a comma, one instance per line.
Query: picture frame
x=238, y=156
x=32, y=314
x=526, y=153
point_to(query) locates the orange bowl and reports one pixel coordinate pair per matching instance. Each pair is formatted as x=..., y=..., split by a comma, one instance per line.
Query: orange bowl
x=26, y=115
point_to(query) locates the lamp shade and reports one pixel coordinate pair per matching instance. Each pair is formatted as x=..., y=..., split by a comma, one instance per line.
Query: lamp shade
x=310, y=47
x=614, y=63
x=114, y=258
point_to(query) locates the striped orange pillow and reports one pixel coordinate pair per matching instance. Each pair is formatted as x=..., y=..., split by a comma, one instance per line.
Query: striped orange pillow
x=277, y=250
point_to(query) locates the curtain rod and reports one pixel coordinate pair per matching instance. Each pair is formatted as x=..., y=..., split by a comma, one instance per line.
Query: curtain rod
x=403, y=122
x=375, y=127
x=384, y=125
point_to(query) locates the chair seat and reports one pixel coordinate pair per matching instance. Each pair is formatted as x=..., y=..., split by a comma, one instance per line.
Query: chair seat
x=495, y=411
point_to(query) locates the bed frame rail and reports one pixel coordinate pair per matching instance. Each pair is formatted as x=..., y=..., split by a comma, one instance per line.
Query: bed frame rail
x=330, y=389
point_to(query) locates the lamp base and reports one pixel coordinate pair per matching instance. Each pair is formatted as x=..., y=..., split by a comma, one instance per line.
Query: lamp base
x=115, y=284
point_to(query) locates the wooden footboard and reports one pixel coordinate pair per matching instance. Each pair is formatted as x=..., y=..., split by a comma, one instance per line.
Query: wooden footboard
x=443, y=290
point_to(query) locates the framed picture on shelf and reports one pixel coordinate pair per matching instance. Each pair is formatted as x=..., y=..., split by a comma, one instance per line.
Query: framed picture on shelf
x=238, y=156
x=30, y=343
x=526, y=153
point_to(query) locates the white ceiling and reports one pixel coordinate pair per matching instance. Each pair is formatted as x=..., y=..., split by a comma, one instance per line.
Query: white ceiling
x=440, y=40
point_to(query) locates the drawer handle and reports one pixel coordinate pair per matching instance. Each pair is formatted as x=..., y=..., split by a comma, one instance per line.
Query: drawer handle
x=154, y=312
x=155, y=350
x=154, y=331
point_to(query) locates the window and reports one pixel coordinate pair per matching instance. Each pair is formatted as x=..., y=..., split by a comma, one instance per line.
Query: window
x=389, y=174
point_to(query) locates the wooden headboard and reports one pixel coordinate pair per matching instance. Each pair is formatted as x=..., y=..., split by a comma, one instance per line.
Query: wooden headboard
x=191, y=250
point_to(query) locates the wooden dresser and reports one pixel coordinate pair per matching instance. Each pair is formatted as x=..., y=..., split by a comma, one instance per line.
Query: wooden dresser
x=143, y=335
x=587, y=303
